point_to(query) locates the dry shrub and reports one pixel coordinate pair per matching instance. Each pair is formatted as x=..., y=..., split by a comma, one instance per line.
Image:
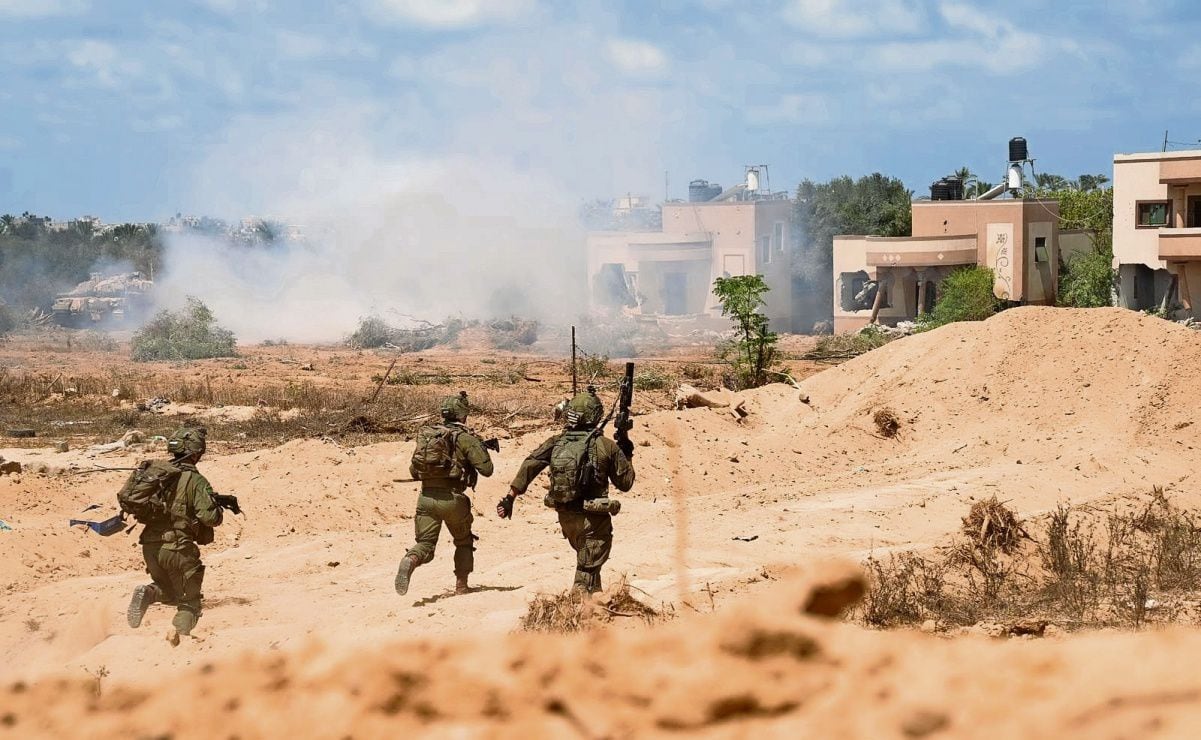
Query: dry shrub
x=887, y=422
x=1122, y=567
x=991, y=524
x=575, y=611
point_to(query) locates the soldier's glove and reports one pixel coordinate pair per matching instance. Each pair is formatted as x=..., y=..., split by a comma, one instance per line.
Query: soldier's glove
x=226, y=501
x=626, y=445
x=492, y=444
x=504, y=507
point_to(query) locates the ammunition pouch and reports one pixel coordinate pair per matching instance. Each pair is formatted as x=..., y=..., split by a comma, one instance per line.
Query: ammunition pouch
x=602, y=505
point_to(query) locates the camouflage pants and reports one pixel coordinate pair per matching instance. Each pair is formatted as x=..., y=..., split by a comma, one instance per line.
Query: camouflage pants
x=435, y=508
x=590, y=534
x=178, y=574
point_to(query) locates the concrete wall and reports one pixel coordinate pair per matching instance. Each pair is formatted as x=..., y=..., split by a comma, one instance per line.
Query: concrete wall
x=1135, y=179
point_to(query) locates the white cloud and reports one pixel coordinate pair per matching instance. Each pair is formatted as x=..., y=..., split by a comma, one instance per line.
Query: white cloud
x=855, y=18
x=452, y=14
x=971, y=19
x=41, y=8
x=1190, y=58
x=309, y=46
x=104, y=61
x=636, y=57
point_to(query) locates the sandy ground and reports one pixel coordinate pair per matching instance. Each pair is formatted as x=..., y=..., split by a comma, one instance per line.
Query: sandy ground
x=1036, y=406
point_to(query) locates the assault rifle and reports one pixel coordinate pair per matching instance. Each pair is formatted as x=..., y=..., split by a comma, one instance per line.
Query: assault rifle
x=227, y=502
x=623, y=424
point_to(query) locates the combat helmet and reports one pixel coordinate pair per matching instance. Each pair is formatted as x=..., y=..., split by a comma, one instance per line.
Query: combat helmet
x=584, y=411
x=454, y=408
x=188, y=442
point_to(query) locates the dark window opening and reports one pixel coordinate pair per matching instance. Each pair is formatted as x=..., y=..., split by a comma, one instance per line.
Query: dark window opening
x=1040, y=249
x=1153, y=213
x=858, y=292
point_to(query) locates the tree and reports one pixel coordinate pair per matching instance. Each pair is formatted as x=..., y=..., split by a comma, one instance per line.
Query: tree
x=1091, y=182
x=873, y=205
x=1048, y=181
x=965, y=295
x=753, y=352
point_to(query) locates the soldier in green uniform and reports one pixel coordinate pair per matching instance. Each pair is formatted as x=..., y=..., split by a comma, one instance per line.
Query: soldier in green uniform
x=170, y=545
x=448, y=459
x=580, y=498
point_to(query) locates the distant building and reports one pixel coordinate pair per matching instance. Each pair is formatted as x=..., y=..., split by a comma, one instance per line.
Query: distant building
x=1018, y=238
x=1157, y=231
x=744, y=230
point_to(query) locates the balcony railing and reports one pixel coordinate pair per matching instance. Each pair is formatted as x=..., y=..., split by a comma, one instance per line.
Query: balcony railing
x=1180, y=245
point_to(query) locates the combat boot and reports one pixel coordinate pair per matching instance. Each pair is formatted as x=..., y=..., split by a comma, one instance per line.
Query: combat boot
x=408, y=564
x=461, y=586
x=143, y=597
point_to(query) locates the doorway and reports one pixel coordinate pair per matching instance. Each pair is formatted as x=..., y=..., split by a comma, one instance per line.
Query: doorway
x=675, y=293
x=1194, y=211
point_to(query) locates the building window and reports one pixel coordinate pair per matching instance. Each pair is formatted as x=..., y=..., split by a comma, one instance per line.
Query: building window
x=1040, y=249
x=777, y=237
x=1153, y=213
x=764, y=249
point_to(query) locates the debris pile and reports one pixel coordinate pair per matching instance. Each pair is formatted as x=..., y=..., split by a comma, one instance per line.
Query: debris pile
x=575, y=611
x=374, y=332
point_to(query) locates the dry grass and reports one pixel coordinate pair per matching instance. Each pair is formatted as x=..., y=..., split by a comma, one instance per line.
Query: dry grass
x=887, y=423
x=575, y=611
x=1134, y=563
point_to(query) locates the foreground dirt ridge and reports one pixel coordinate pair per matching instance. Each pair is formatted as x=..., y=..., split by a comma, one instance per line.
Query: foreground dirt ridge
x=1035, y=406
x=764, y=667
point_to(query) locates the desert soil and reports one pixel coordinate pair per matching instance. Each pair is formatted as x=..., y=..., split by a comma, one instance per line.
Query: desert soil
x=303, y=634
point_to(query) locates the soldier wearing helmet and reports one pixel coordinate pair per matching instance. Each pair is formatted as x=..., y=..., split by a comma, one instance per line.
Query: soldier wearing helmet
x=170, y=542
x=582, y=465
x=448, y=459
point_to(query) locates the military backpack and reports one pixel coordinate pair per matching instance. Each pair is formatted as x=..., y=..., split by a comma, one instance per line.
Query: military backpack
x=572, y=472
x=146, y=495
x=434, y=455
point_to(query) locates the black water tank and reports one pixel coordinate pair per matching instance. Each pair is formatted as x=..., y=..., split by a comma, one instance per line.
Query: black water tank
x=697, y=191
x=954, y=188
x=1017, y=150
x=940, y=190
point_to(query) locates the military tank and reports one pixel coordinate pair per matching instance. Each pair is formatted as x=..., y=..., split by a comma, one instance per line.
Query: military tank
x=111, y=301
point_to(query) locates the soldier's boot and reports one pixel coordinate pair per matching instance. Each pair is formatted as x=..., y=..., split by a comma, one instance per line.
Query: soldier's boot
x=461, y=586
x=408, y=564
x=143, y=597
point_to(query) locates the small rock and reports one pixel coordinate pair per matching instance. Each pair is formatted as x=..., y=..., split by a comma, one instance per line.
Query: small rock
x=929, y=626
x=11, y=467
x=924, y=722
x=733, y=458
x=307, y=366
x=62, y=447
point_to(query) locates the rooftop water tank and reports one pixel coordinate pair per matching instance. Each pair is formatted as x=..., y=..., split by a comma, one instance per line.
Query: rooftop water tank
x=1017, y=150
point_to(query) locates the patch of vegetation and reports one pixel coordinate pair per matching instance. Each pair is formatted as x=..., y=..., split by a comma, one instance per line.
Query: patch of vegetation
x=373, y=333
x=752, y=352
x=1125, y=567
x=513, y=332
x=965, y=295
x=1087, y=280
x=848, y=345
x=653, y=379
x=191, y=333
x=576, y=611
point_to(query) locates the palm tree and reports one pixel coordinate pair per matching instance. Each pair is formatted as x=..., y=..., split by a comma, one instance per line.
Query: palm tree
x=979, y=187
x=1091, y=182
x=1048, y=181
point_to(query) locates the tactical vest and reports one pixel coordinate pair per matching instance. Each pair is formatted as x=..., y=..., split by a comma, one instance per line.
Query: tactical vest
x=573, y=474
x=434, y=456
x=147, y=493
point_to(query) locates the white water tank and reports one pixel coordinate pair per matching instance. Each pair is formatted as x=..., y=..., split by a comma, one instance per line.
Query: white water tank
x=1015, y=177
x=752, y=180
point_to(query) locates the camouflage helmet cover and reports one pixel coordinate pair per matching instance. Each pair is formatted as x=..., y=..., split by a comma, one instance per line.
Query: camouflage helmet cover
x=454, y=408
x=188, y=441
x=584, y=410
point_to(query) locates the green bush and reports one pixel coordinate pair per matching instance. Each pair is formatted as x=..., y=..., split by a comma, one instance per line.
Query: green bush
x=752, y=352
x=965, y=295
x=1087, y=280
x=188, y=334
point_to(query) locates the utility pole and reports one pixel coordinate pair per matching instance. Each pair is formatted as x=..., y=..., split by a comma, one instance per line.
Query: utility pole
x=1165, y=140
x=575, y=388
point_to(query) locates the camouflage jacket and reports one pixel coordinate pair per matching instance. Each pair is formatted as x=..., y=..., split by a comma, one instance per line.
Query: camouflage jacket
x=470, y=454
x=193, y=513
x=612, y=466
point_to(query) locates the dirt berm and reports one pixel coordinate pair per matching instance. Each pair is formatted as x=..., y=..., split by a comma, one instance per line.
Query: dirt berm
x=1036, y=406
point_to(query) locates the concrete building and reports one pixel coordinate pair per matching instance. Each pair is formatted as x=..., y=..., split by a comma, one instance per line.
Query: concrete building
x=889, y=280
x=1157, y=231
x=745, y=230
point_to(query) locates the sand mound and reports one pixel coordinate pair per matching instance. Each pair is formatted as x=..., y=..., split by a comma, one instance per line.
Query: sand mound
x=763, y=667
x=1032, y=407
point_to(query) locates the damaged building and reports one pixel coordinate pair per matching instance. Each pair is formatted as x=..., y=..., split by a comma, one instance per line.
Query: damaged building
x=888, y=280
x=669, y=271
x=1157, y=231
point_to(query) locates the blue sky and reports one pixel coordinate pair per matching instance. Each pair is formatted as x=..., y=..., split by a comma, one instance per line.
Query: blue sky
x=136, y=110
